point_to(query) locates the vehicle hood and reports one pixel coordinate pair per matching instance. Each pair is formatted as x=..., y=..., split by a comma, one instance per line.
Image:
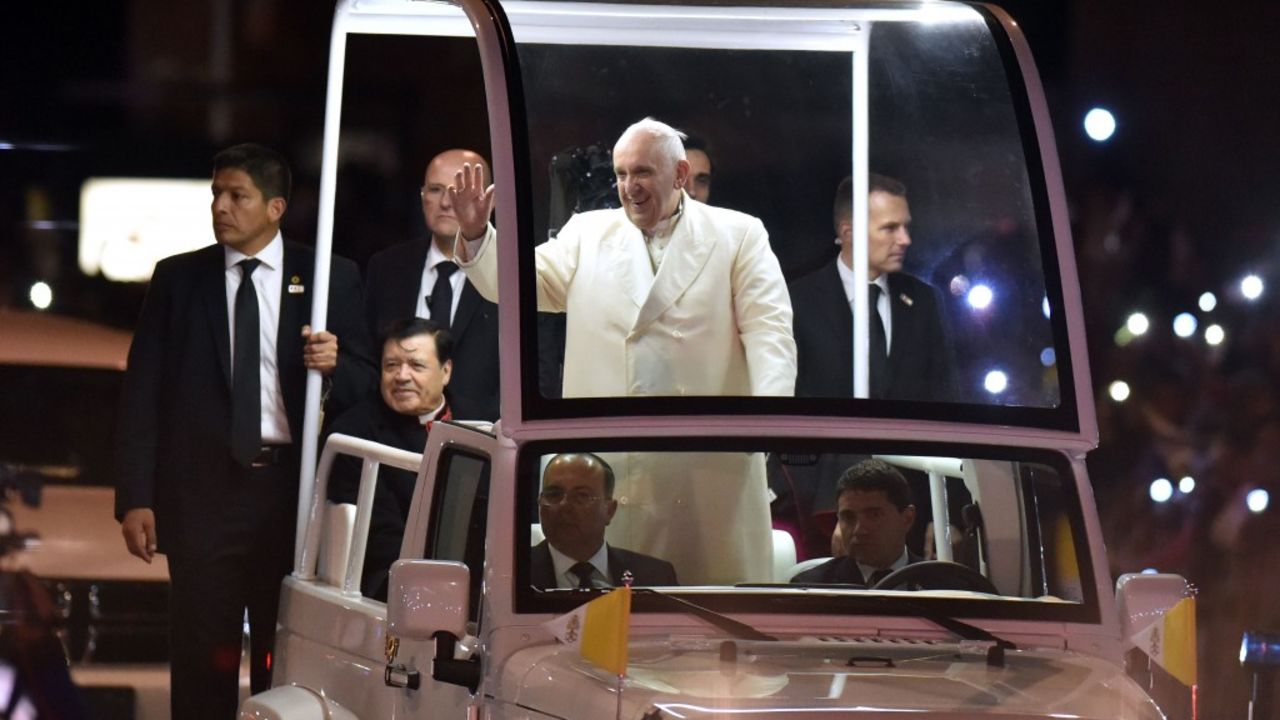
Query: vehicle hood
x=815, y=678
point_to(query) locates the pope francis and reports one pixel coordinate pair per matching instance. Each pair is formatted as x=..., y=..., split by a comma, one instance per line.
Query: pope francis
x=664, y=296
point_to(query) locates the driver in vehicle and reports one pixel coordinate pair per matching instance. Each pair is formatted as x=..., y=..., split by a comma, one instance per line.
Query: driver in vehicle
x=575, y=506
x=874, y=514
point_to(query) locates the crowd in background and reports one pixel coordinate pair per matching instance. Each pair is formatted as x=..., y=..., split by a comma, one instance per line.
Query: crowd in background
x=1194, y=410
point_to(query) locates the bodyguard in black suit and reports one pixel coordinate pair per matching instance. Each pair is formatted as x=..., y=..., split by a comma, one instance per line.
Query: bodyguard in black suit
x=910, y=355
x=404, y=280
x=874, y=513
x=575, y=506
x=211, y=424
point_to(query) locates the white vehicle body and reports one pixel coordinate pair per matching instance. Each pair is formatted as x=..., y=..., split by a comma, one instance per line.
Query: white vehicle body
x=462, y=632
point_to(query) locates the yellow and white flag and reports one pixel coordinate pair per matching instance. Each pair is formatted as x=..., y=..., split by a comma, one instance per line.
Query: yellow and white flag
x=599, y=629
x=1171, y=641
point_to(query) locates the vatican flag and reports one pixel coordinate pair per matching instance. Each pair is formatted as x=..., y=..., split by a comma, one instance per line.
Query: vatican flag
x=1171, y=641
x=599, y=630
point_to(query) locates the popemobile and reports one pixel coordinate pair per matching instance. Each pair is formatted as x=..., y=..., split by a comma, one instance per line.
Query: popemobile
x=717, y=501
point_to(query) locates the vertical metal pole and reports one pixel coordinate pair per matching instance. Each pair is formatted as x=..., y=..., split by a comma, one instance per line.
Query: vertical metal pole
x=860, y=168
x=941, y=516
x=308, y=506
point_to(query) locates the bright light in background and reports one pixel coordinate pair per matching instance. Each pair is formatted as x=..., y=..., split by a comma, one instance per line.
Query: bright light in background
x=980, y=297
x=1214, y=334
x=1251, y=287
x=995, y=382
x=1044, y=307
x=128, y=224
x=1184, y=325
x=1118, y=390
x=1099, y=124
x=1048, y=357
x=41, y=295
x=1187, y=485
x=1257, y=500
x=1208, y=301
x=1161, y=490
x=1138, y=323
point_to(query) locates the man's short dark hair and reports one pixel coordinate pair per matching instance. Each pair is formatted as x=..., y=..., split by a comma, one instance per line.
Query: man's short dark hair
x=411, y=327
x=607, y=470
x=268, y=168
x=876, y=476
x=695, y=142
x=843, y=209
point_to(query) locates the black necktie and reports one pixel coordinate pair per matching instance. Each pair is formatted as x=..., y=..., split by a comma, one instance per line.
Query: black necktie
x=584, y=571
x=877, y=576
x=440, y=304
x=878, y=352
x=246, y=393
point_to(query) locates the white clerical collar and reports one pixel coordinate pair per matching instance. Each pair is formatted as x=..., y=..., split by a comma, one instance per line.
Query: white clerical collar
x=428, y=417
x=562, y=563
x=271, y=256
x=901, y=562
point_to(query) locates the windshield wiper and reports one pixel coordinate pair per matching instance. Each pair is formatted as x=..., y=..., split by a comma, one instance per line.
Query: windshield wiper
x=966, y=631
x=736, y=628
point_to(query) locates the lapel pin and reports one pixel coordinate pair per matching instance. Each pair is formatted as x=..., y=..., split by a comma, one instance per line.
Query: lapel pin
x=905, y=299
x=295, y=286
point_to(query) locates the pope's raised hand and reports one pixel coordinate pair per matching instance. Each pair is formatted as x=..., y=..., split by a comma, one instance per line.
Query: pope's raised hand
x=472, y=202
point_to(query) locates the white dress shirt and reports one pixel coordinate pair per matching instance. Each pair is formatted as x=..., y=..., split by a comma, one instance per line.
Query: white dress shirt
x=566, y=580
x=267, y=280
x=434, y=258
x=882, y=304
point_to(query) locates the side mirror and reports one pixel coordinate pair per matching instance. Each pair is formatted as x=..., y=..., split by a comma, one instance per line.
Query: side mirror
x=425, y=597
x=1141, y=599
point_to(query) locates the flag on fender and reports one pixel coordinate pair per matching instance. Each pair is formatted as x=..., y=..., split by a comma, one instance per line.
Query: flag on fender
x=1171, y=641
x=598, y=629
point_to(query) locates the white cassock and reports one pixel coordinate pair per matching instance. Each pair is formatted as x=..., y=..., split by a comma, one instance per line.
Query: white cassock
x=714, y=320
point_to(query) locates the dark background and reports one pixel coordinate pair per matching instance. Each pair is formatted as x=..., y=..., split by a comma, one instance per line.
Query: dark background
x=1182, y=200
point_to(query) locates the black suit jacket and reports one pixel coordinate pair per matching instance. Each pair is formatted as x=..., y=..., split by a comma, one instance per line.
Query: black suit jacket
x=373, y=420
x=392, y=280
x=645, y=570
x=173, y=438
x=841, y=570
x=920, y=355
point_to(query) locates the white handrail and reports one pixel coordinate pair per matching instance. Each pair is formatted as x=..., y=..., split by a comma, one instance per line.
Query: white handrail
x=374, y=456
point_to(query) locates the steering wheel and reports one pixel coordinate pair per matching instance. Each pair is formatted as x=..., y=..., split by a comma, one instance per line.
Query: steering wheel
x=938, y=575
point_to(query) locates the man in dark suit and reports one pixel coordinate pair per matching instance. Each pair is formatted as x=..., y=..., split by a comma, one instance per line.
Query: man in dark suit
x=874, y=513
x=575, y=506
x=211, y=424
x=416, y=367
x=910, y=355
x=404, y=281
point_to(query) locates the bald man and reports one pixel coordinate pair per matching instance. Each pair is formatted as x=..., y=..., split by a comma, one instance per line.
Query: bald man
x=405, y=280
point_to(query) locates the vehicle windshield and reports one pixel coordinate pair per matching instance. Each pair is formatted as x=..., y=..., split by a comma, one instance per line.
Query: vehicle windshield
x=809, y=521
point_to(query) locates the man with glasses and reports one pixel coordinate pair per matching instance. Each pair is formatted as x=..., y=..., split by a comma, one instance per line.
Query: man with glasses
x=418, y=278
x=575, y=506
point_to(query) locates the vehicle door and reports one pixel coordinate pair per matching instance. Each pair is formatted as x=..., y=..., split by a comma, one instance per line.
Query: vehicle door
x=447, y=521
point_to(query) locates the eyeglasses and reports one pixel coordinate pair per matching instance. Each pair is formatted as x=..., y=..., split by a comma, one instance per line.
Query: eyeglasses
x=555, y=496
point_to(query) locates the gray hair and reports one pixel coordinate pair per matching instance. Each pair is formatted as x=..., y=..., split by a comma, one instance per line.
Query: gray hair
x=670, y=141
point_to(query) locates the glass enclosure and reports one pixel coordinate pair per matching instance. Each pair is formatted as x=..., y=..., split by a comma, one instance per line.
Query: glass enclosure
x=786, y=102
